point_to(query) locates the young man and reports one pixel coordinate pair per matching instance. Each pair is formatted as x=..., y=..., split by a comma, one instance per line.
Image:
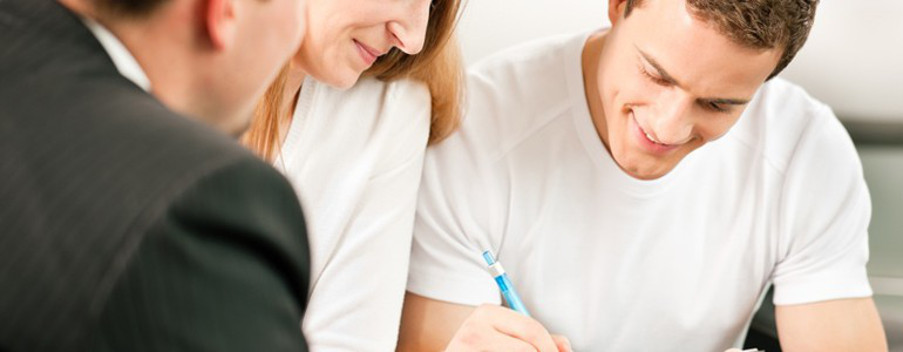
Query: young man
x=127, y=225
x=643, y=186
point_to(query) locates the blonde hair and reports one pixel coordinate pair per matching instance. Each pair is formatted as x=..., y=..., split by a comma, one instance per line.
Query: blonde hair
x=438, y=65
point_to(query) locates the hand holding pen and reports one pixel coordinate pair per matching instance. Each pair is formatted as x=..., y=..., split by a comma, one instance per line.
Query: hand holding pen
x=495, y=328
x=505, y=286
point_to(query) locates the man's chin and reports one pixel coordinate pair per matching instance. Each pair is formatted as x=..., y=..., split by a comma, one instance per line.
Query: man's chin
x=647, y=176
x=648, y=172
x=647, y=167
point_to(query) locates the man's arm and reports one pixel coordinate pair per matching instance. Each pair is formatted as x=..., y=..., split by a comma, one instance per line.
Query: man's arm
x=838, y=325
x=431, y=325
x=225, y=268
x=428, y=324
x=822, y=293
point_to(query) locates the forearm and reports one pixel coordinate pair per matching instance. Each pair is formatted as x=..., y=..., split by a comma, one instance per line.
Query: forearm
x=840, y=325
x=428, y=325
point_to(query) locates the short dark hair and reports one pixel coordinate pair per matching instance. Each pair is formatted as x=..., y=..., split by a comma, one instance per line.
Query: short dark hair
x=758, y=24
x=132, y=8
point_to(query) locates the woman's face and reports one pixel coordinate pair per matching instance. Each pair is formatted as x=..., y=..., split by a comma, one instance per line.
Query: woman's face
x=345, y=37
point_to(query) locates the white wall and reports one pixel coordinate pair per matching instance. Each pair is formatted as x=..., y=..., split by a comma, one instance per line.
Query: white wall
x=853, y=60
x=489, y=25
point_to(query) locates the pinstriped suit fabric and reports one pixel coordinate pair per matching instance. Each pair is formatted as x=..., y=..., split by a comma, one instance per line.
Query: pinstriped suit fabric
x=124, y=226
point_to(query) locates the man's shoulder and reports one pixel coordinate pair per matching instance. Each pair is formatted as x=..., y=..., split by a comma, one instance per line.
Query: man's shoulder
x=529, y=70
x=88, y=168
x=178, y=152
x=516, y=92
x=781, y=94
x=780, y=117
x=538, y=53
x=139, y=130
x=230, y=221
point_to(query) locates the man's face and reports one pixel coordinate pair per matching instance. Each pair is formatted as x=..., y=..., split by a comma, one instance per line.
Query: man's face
x=669, y=83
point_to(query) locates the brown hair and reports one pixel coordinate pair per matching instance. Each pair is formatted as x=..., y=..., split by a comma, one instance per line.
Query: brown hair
x=129, y=8
x=438, y=65
x=758, y=24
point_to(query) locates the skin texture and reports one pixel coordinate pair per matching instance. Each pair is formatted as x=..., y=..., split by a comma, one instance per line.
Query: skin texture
x=839, y=325
x=664, y=72
x=330, y=53
x=430, y=325
x=337, y=30
x=209, y=59
x=659, y=85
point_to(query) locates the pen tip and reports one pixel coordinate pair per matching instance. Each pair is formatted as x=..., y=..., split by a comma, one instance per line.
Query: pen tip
x=490, y=259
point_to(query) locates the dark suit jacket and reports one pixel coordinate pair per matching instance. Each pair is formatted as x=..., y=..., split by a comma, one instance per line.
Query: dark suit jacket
x=124, y=226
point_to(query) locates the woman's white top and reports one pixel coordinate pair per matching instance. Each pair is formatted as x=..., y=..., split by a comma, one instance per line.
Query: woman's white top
x=355, y=158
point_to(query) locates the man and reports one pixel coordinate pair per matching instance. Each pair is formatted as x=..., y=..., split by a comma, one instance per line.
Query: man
x=127, y=224
x=643, y=186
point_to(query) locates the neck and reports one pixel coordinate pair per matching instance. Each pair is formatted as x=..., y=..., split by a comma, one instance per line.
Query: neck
x=591, y=62
x=177, y=73
x=165, y=47
x=290, y=95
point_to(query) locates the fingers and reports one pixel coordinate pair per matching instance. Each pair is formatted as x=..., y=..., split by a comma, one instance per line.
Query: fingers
x=521, y=327
x=503, y=330
x=564, y=345
x=502, y=342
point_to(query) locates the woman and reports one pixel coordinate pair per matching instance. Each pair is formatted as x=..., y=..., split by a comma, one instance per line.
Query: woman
x=355, y=154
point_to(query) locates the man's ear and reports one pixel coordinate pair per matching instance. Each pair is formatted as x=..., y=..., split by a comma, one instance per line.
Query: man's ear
x=221, y=22
x=616, y=10
x=81, y=7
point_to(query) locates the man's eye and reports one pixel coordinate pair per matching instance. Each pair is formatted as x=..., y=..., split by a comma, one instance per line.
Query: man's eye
x=654, y=79
x=716, y=107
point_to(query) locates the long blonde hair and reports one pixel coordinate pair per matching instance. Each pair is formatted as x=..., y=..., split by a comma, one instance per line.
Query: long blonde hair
x=438, y=65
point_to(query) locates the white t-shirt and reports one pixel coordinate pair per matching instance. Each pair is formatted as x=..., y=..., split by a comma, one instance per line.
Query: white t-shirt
x=619, y=264
x=355, y=158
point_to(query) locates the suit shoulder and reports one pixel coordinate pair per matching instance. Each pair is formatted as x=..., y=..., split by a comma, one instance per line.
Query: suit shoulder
x=246, y=197
x=240, y=256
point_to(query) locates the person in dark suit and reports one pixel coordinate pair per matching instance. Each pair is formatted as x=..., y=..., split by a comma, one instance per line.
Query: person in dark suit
x=127, y=223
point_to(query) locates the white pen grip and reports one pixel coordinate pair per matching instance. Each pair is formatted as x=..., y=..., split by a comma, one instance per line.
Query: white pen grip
x=496, y=269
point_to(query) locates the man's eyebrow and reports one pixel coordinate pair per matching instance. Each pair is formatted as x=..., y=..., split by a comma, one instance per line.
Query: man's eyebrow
x=661, y=72
x=668, y=78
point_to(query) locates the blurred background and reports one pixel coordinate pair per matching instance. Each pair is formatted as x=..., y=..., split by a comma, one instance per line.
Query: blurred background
x=853, y=61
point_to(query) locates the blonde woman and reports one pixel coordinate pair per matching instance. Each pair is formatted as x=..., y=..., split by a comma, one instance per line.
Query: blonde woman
x=353, y=148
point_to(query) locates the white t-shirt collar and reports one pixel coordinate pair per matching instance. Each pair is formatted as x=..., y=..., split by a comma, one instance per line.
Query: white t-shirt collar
x=123, y=60
x=590, y=139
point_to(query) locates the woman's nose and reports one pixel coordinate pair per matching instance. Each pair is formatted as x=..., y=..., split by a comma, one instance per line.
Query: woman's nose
x=409, y=29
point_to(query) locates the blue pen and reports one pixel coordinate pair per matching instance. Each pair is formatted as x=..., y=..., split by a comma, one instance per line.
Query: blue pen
x=501, y=278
